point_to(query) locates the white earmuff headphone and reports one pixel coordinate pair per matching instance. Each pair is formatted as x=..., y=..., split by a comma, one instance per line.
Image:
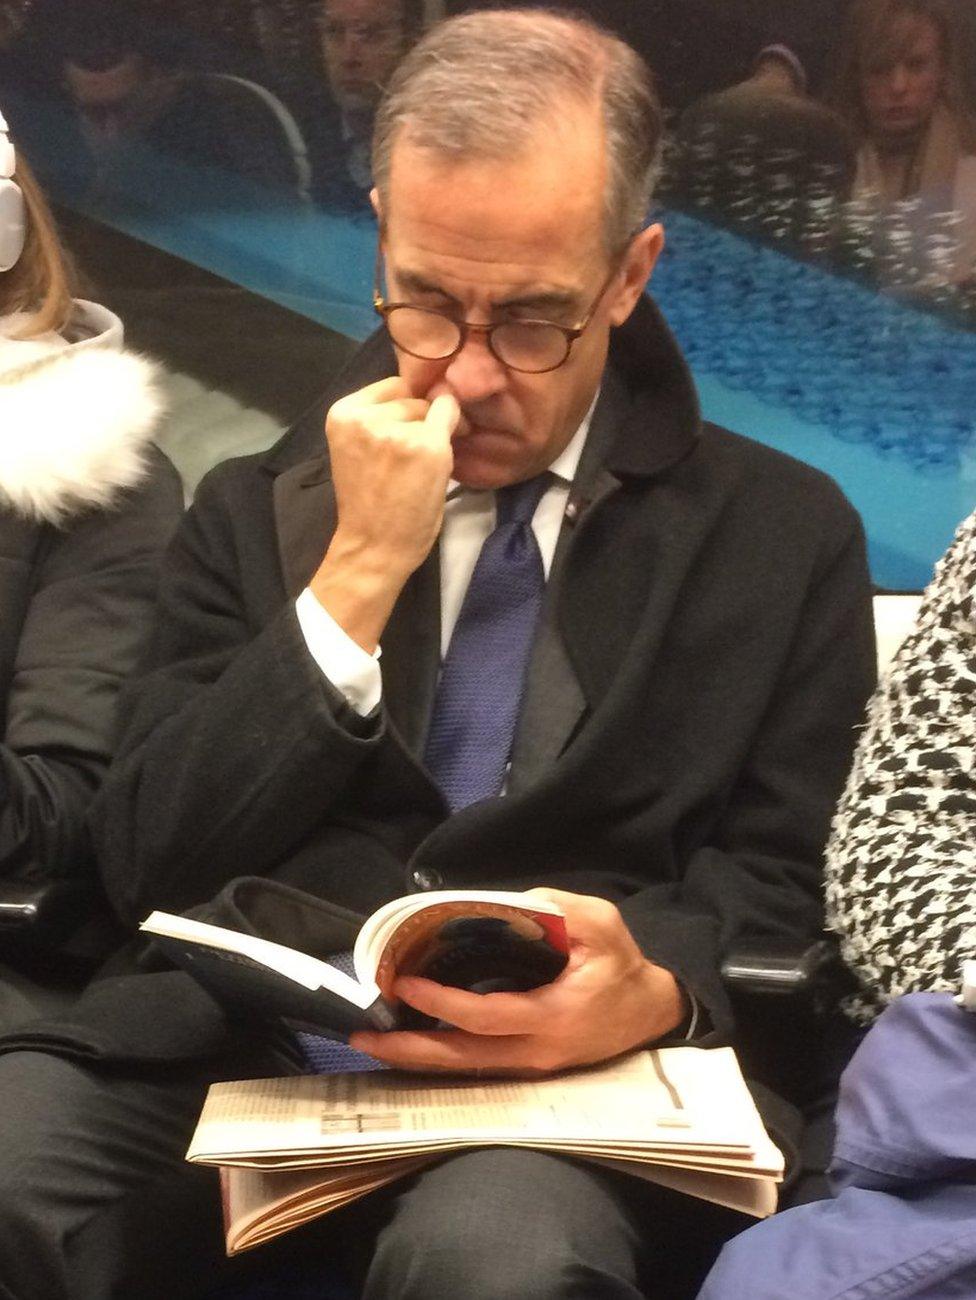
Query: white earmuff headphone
x=13, y=217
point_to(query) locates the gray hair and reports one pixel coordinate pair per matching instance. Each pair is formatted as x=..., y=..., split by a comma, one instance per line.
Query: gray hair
x=481, y=85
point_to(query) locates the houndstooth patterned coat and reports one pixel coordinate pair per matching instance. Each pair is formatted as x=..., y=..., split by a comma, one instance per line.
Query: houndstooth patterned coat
x=901, y=861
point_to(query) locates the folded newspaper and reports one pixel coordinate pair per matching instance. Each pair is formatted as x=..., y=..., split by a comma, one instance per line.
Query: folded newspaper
x=295, y=1148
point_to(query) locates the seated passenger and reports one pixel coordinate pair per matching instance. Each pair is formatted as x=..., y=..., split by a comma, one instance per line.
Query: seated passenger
x=766, y=155
x=899, y=1225
x=899, y=82
x=126, y=124
x=659, y=731
x=901, y=861
x=901, y=894
x=361, y=43
x=86, y=506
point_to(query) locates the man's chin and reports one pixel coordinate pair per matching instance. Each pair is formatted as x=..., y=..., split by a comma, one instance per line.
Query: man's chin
x=479, y=472
x=357, y=99
x=897, y=132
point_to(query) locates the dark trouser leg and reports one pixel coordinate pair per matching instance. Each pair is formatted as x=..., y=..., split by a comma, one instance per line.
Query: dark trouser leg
x=98, y=1203
x=23, y=998
x=509, y=1224
x=96, y=1199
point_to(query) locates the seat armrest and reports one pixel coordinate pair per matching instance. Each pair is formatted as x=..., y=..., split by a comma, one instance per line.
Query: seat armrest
x=811, y=972
x=791, y=1033
x=42, y=909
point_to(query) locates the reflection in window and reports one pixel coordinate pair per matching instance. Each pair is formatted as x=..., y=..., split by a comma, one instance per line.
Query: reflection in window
x=818, y=194
x=899, y=84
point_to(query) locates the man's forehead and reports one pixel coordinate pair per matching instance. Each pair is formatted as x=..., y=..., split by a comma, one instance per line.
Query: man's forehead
x=364, y=10
x=542, y=202
x=908, y=35
x=459, y=263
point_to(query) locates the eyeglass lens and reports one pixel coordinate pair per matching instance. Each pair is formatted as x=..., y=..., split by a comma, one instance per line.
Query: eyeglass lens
x=523, y=345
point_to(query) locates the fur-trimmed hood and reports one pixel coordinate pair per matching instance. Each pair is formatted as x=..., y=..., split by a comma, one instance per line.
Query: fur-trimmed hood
x=75, y=420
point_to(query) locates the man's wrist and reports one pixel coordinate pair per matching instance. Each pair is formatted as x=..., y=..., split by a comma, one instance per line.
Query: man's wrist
x=358, y=587
x=669, y=1001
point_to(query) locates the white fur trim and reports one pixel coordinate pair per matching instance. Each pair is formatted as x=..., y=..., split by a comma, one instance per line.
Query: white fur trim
x=73, y=431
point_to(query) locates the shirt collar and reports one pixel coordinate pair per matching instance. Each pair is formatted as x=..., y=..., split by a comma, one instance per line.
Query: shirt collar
x=564, y=466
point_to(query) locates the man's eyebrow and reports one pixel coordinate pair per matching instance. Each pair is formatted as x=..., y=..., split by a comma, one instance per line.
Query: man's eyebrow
x=414, y=282
x=543, y=300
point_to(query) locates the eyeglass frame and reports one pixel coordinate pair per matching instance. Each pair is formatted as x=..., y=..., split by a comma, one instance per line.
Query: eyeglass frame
x=570, y=332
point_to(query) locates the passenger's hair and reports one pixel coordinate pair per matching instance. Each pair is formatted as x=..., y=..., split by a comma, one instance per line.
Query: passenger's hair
x=413, y=18
x=98, y=35
x=484, y=85
x=42, y=281
x=868, y=35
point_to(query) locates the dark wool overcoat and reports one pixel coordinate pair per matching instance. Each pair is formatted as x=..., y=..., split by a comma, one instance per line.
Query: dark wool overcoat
x=704, y=655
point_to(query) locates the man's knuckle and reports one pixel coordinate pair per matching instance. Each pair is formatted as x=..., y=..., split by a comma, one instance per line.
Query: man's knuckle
x=606, y=915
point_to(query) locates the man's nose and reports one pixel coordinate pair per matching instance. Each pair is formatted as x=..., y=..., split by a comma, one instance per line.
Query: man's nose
x=354, y=45
x=475, y=373
x=898, y=81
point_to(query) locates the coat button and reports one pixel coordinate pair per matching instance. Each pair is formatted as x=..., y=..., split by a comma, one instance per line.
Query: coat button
x=427, y=878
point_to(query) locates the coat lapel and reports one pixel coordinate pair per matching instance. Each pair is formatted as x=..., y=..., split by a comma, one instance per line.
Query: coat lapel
x=305, y=519
x=588, y=622
x=412, y=653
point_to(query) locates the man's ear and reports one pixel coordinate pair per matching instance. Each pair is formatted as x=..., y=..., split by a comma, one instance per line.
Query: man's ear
x=638, y=264
x=374, y=198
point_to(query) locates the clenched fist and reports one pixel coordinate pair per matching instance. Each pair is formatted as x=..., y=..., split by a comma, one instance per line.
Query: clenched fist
x=391, y=462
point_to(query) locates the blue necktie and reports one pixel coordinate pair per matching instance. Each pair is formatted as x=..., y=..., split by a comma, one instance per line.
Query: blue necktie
x=480, y=690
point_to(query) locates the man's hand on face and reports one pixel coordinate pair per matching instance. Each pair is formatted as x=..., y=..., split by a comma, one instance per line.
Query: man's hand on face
x=608, y=999
x=391, y=461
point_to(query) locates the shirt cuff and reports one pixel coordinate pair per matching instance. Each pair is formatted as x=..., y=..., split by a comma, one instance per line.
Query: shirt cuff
x=689, y=1027
x=353, y=672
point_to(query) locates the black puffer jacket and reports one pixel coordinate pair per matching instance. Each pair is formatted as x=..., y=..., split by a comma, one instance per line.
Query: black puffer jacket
x=87, y=505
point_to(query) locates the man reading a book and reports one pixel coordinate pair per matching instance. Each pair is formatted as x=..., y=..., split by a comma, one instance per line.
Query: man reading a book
x=518, y=619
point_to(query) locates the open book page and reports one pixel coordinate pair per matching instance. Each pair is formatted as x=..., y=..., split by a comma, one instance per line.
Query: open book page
x=399, y=936
x=304, y=969
x=675, y=1098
